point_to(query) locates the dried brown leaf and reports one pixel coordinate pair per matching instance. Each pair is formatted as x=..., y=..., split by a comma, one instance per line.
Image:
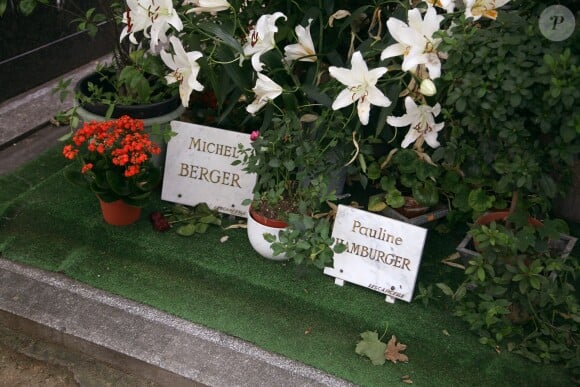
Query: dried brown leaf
x=239, y=225
x=394, y=349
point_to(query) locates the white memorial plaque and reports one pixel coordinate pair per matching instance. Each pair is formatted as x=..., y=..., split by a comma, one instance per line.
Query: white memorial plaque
x=382, y=254
x=198, y=168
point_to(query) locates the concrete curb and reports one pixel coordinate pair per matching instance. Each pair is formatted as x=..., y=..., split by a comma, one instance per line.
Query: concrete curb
x=139, y=339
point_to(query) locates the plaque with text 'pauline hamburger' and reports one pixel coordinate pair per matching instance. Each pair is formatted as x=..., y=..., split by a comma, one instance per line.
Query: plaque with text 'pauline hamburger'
x=382, y=254
x=198, y=168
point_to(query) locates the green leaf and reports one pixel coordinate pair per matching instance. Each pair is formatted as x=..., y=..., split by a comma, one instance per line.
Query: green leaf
x=27, y=6
x=3, y=4
x=395, y=199
x=480, y=274
x=371, y=347
x=222, y=35
x=201, y=228
x=445, y=289
x=186, y=230
x=426, y=194
x=377, y=203
x=480, y=201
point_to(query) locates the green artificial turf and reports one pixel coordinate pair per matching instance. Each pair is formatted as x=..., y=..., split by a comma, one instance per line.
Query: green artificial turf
x=48, y=223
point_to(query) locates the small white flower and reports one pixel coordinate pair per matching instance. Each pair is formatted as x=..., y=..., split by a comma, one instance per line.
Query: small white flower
x=266, y=90
x=421, y=120
x=486, y=8
x=427, y=88
x=303, y=50
x=153, y=17
x=360, y=86
x=261, y=38
x=185, y=69
x=415, y=41
x=211, y=6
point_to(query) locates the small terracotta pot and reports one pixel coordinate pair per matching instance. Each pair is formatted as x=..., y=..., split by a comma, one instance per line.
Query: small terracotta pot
x=267, y=221
x=501, y=216
x=119, y=213
x=411, y=208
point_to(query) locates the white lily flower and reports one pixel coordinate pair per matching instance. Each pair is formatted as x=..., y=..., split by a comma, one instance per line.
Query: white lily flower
x=266, y=90
x=447, y=5
x=360, y=86
x=261, y=38
x=415, y=41
x=153, y=17
x=421, y=120
x=211, y=6
x=185, y=69
x=303, y=50
x=487, y=8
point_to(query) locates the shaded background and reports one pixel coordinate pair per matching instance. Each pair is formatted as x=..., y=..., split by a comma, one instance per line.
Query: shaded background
x=44, y=45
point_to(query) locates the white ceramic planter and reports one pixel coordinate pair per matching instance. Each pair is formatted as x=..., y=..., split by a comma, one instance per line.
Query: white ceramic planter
x=256, y=233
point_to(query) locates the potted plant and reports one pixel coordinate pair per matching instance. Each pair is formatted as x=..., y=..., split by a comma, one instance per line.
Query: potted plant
x=518, y=290
x=133, y=83
x=114, y=161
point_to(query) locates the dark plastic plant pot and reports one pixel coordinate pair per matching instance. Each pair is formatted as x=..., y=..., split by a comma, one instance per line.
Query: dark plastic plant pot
x=143, y=111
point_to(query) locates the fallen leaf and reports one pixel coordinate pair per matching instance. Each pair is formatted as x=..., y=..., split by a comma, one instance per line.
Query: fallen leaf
x=453, y=257
x=224, y=239
x=445, y=332
x=406, y=379
x=394, y=349
x=308, y=330
x=372, y=347
x=239, y=225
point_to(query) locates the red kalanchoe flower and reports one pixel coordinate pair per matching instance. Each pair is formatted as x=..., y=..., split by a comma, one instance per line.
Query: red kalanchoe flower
x=117, y=148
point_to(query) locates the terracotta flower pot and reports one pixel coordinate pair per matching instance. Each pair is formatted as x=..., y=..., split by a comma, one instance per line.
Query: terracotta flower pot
x=257, y=227
x=267, y=221
x=411, y=208
x=119, y=213
x=500, y=216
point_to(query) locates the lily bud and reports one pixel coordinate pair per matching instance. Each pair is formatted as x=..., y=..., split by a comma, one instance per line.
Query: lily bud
x=427, y=88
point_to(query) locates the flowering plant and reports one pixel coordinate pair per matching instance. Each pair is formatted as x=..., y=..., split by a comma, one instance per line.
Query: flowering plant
x=325, y=75
x=115, y=160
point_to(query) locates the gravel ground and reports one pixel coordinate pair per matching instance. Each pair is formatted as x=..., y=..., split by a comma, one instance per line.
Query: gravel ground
x=26, y=361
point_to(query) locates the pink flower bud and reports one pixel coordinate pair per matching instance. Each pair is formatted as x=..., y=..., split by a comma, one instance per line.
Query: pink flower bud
x=254, y=135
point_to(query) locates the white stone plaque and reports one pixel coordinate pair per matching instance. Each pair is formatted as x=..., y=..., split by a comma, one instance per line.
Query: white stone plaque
x=382, y=254
x=198, y=168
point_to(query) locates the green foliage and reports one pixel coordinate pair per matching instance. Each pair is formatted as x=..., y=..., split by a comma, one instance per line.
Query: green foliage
x=518, y=292
x=510, y=100
x=189, y=221
x=111, y=186
x=406, y=172
x=307, y=241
